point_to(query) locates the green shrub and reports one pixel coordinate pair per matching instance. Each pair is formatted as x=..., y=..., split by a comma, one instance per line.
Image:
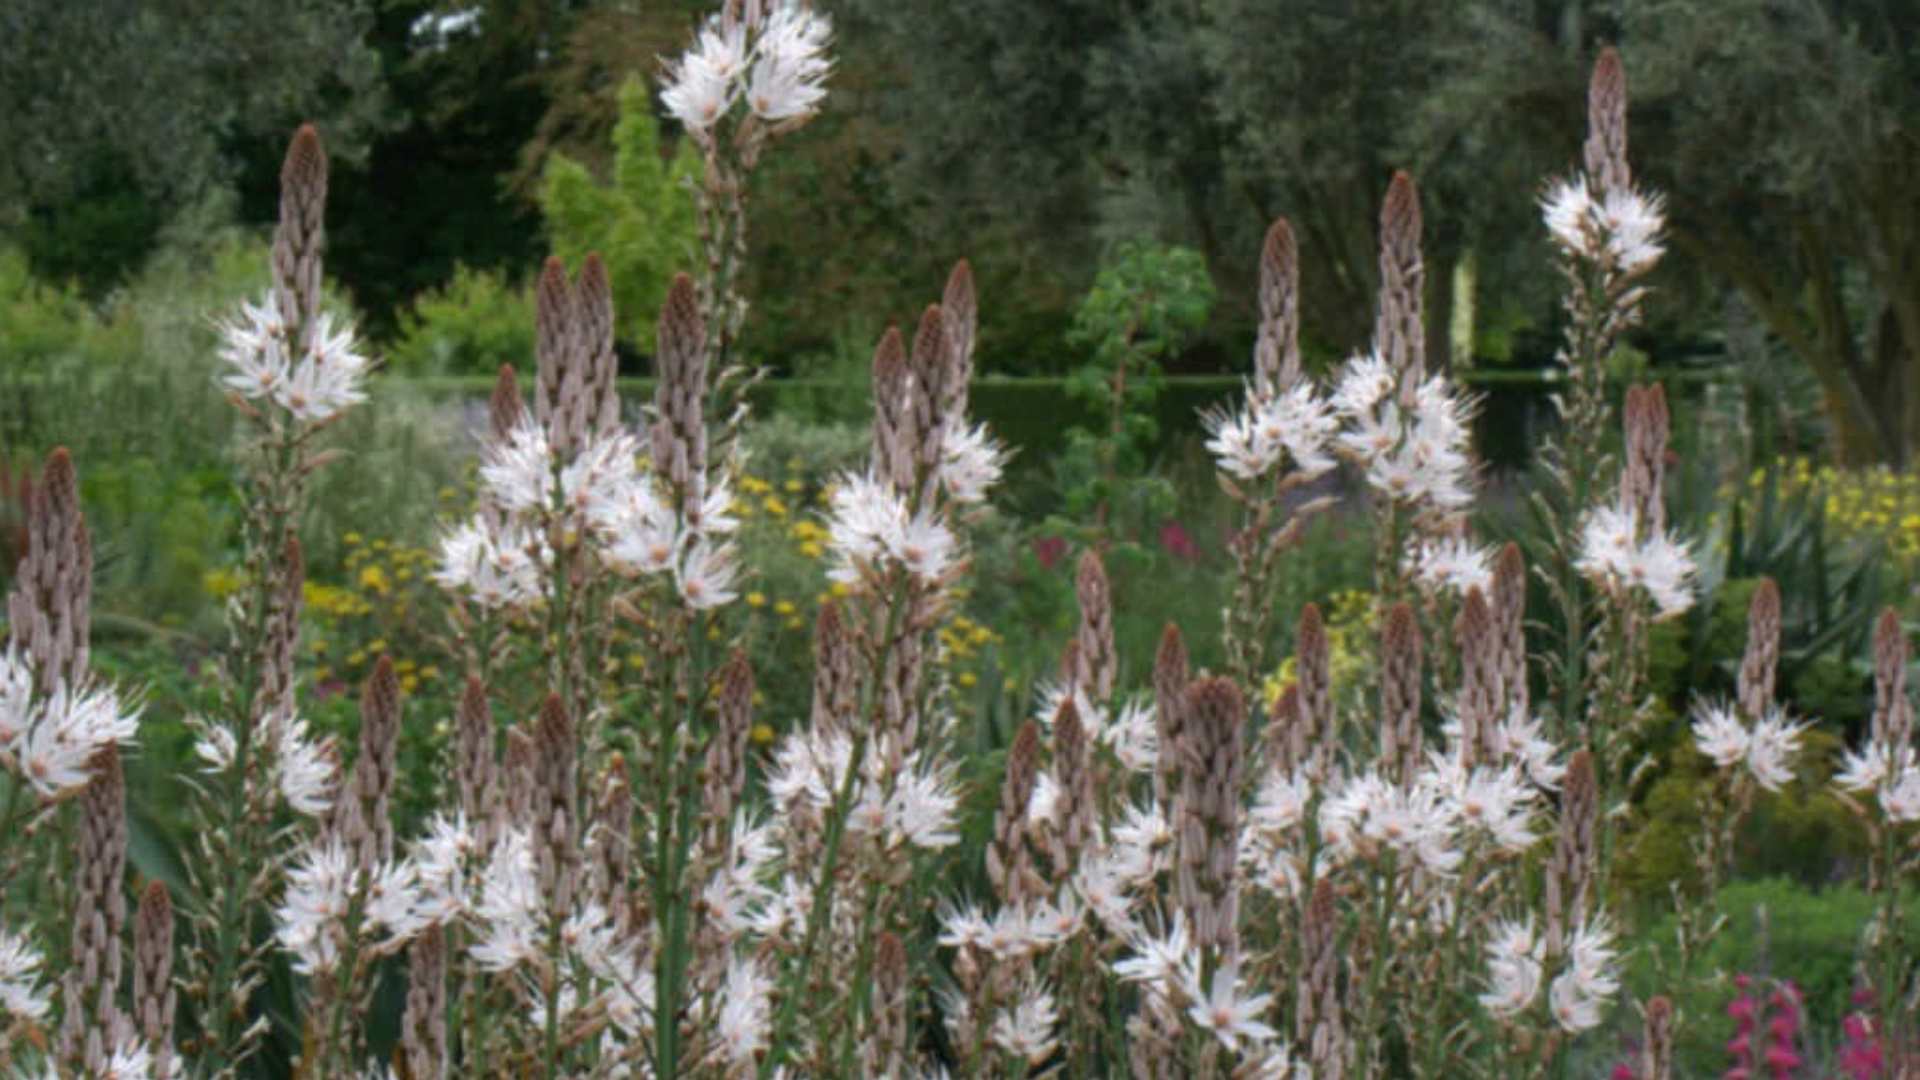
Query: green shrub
x=641, y=223
x=470, y=326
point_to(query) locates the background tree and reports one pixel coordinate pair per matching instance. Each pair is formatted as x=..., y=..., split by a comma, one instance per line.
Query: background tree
x=119, y=113
x=1782, y=133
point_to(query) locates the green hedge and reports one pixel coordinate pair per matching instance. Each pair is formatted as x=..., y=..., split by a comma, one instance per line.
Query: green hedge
x=1033, y=414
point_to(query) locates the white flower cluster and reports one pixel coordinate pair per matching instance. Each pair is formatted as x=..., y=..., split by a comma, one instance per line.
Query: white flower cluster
x=51, y=736
x=970, y=462
x=313, y=384
x=1767, y=749
x=1417, y=457
x=1621, y=229
x=1165, y=963
x=600, y=495
x=303, y=768
x=1454, y=564
x=918, y=808
x=398, y=899
x=1617, y=553
x=1892, y=774
x=1581, y=991
x=1295, y=425
x=870, y=529
x=778, y=70
x=21, y=994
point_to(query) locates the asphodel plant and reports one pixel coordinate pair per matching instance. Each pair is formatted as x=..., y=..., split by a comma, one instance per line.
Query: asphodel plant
x=1385, y=864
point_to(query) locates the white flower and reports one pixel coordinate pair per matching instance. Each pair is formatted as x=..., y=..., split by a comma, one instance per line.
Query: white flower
x=510, y=906
x=963, y=926
x=215, y=746
x=1455, y=564
x=706, y=575
x=69, y=727
x=1767, y=749
x=790, y=66
x=921, y=811
x=20, y=992
x=1230, y=1016
x=307, y=771
x=1871, y=765
x=703, y=83
x=393, y=900
x=255, y=348
x=130, y=1060
x=440, y=860
x=1251, y=441
x=1614, y=556
x=1771, y=748
x=1633, y=224
x=1901, y=799
x=869, y=526
x=970, y=463
x=1522, y=739
x=1167, y=960
x=1513, y=969
x=1719, y=734
x=326, y=382
x=16, y=696
x=500, y=567
x=319, y=889
x=518, y=472
x=1364, y=382
x=1621, y=230
x=1026, y=1029
x=1568, y=211
x=1498, y=802
x=744, y=1013
x=1367, y=815
x=1591, y=978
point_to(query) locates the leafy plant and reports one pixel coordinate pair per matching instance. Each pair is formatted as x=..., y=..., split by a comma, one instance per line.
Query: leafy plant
x=1146, y=303
x=641, y=222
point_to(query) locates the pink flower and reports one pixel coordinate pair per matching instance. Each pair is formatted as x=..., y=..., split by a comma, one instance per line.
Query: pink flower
x=1050, y=550
x=1782, y=1060
x=1178, y=542
x=1622, y=1071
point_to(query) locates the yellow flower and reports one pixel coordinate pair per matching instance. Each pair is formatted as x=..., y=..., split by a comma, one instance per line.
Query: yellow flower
x=430, y=672
x=356, y=658
x=773, y=506
x=841, y=589
x=794, y=486
x=351, y=538
x=812, y=550
x=756, y=599
x=377, y=645
x=967, y=679
x=221, y=583
x=374, y=580
x=403, y=667
x=762, y=734
x=796, y=623
x=782, y=607
x=408, y=683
